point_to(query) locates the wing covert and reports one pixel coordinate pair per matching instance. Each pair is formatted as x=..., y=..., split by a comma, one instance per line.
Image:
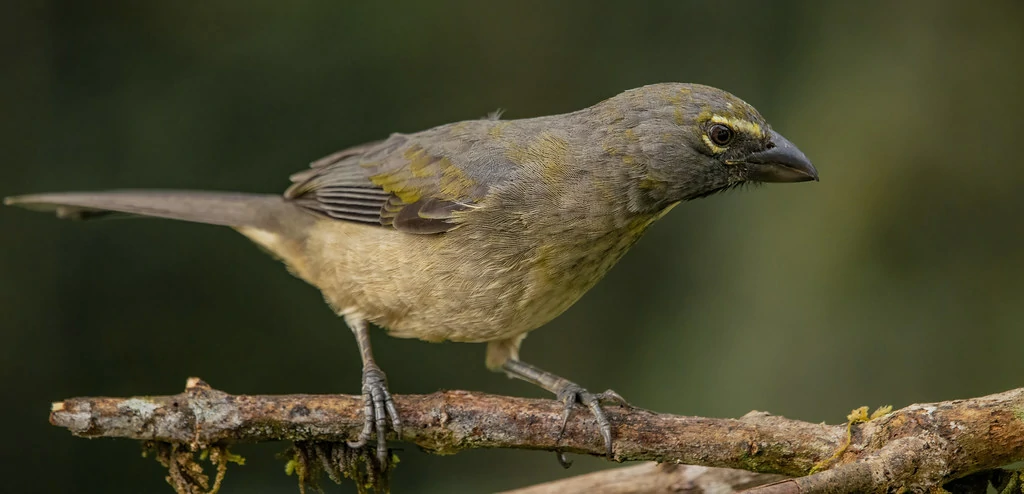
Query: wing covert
x=397, y=182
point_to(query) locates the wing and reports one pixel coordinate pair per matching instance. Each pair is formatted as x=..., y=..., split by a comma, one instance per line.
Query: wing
x=413, y=183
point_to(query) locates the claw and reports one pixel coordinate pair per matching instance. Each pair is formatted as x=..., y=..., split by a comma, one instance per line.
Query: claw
x=609, y=396
x=562, y=459
x=378, y=406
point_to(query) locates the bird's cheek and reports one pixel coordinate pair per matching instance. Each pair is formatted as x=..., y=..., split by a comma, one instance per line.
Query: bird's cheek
x=736, y=173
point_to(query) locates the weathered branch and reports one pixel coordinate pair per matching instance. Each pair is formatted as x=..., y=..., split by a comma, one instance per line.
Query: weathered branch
x=918, y=447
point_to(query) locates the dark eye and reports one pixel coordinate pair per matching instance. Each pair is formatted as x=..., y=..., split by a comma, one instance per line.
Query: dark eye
x=720, y=134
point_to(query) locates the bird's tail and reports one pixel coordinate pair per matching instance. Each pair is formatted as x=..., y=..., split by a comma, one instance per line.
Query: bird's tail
x=271, y=221
x=261, y=211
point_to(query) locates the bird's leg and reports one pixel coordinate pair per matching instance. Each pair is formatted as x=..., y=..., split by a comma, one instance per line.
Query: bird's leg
x=378, y=405
x=568, y=393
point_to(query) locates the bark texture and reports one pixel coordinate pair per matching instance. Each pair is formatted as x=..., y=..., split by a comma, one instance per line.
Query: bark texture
x=917, y=448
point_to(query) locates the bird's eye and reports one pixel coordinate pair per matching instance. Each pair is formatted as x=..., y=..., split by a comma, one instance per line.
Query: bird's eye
x=720, y=134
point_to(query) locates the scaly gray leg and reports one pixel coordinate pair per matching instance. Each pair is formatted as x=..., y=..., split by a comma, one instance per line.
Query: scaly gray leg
x=378, y=405
x=568, y=393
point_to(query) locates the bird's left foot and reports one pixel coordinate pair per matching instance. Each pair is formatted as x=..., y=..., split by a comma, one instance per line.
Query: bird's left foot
x=378, y=408
x=570, y=393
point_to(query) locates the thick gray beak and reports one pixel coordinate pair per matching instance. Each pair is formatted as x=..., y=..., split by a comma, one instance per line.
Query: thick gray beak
x=782, y=163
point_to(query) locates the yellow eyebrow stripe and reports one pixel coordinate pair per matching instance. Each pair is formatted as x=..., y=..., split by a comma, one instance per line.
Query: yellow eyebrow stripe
x=739, y=125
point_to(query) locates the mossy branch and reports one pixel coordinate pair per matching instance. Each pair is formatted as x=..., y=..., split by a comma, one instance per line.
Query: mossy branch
x=919, y=447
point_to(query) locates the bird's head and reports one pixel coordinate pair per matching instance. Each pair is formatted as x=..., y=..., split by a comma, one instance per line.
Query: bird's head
x=696, y=140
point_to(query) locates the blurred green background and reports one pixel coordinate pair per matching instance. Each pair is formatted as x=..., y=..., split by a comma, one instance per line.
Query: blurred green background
x=899, y=278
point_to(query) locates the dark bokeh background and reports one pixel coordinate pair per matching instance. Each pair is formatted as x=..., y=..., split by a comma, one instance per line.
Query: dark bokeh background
x=898, y=278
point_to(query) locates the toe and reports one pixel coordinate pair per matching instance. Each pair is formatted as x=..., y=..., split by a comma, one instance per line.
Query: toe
x=368, y=420
x=382, y=449
x=604, y=425
x=609, y=396
x=381, y=419
x=392, y=411
x=379, y=413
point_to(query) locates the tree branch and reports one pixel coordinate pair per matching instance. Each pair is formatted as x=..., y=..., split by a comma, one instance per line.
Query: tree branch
x=918, y=447
x=654, y=478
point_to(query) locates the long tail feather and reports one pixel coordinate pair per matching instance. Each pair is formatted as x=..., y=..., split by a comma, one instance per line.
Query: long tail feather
x=263, y=211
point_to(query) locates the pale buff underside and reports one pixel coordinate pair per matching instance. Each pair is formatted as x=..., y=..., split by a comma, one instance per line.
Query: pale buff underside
x=418, y=286
x=441, y=287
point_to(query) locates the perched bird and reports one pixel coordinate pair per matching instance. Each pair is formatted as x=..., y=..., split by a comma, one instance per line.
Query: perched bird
x=483, y=230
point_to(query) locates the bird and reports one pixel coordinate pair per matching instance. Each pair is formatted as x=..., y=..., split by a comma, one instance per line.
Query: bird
x=482, y=230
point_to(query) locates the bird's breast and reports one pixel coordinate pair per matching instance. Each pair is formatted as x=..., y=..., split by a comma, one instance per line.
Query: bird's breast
x=479, y=282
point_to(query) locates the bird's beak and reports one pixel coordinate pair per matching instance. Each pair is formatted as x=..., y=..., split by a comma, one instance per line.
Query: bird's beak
x=782, y=163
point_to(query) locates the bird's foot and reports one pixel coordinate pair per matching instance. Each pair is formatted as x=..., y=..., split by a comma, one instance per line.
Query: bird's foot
x=377, y=408
x=570, y=394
